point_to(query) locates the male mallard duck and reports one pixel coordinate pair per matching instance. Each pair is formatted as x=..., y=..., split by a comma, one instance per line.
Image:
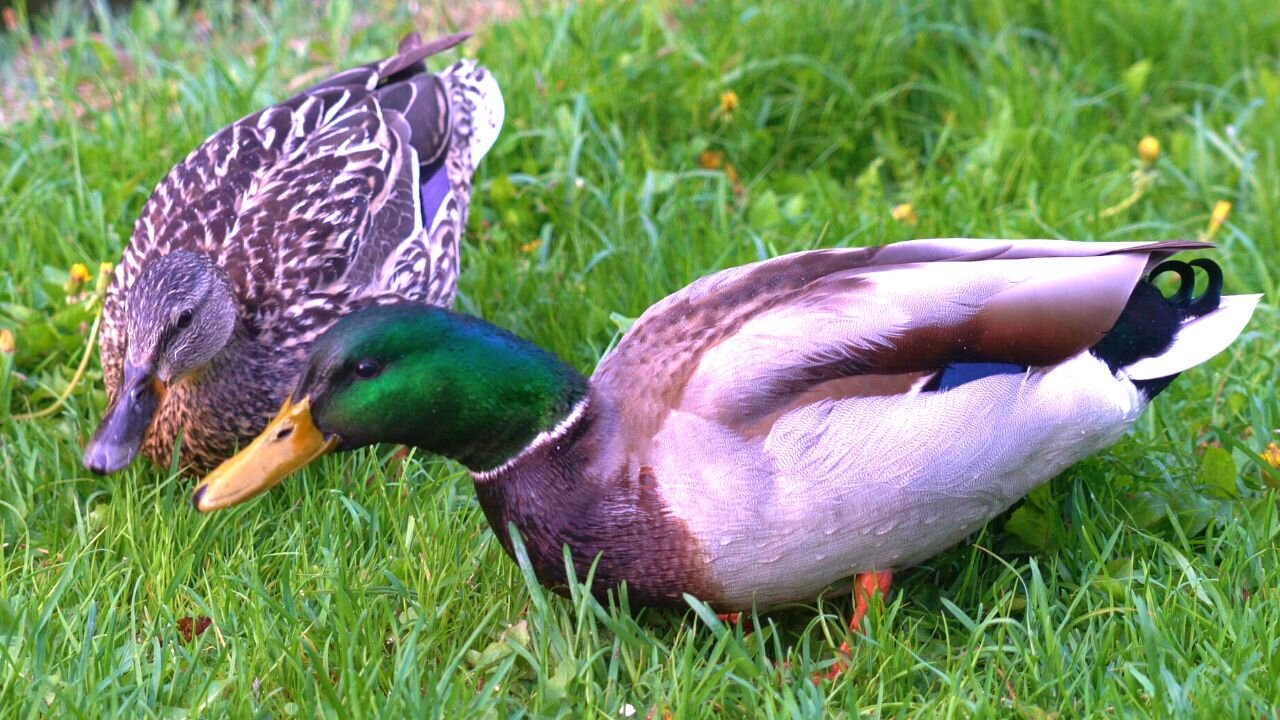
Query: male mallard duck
x=775, y=428
x=352, y=193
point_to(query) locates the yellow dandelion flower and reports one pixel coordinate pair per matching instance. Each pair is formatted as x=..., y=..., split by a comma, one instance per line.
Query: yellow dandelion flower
x=905, y=213
x=1221, y=212
x=1149, y=150
x=728, y=102
x=531, y=247
x=711, y=160
x=1271, y=454
x=7, y=344
x=76, y=279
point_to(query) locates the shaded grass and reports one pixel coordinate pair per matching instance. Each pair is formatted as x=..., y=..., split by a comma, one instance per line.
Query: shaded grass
x=364, y=587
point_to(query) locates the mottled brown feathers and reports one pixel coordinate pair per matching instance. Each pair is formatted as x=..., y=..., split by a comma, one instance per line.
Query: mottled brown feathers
x=311, y=208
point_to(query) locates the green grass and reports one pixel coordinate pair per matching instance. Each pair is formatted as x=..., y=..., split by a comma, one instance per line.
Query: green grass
x=1142, y=581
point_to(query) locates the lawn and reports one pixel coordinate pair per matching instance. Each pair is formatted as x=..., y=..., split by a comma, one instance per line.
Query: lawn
x=647, y=144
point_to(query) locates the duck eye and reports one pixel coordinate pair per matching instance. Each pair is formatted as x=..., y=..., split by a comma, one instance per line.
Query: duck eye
x=184, y=319
x=367, y=369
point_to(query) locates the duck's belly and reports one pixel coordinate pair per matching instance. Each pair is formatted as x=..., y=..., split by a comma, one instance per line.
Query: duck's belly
x=859, y=484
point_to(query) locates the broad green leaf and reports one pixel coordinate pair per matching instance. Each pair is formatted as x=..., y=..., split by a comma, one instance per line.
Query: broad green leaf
x=1135, y=78
x=1218, y=472
x=764, y=210
x=1033, y=526
x=495, y=652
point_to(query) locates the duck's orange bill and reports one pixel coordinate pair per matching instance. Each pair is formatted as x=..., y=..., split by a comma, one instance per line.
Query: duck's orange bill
x=288, y=443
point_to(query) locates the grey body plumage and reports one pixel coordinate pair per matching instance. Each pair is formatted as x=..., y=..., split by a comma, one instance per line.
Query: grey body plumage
x=776, y=428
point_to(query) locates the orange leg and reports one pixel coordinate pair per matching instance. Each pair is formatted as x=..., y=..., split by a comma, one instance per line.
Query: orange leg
x=864, y=586
x=734, y=618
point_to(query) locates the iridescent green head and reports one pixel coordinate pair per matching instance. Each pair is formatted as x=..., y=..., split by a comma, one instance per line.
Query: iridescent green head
x=412, y=374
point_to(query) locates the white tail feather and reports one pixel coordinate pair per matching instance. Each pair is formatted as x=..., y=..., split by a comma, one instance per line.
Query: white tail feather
x=490, y=109
x=1198, y=339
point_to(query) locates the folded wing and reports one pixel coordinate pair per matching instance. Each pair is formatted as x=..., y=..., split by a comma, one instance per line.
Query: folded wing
x=742, y=345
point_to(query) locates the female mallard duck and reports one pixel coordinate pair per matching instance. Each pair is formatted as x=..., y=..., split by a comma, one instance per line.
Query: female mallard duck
x=775, y=428
x=350, y=194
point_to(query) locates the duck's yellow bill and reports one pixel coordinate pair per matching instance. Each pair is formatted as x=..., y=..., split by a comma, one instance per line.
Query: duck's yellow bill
x=288, y=443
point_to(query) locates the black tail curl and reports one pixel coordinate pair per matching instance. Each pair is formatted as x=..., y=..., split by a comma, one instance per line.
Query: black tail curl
x=1187, y=306
x=1147, y=325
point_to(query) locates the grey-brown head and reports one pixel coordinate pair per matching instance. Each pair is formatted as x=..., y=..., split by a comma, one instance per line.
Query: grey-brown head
x=180, y=314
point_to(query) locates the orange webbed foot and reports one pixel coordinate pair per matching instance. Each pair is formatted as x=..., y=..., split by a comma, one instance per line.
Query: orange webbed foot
x=864, y=587
x=735, y=618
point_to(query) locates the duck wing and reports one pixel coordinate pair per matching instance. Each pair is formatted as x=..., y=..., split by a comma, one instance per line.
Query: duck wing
x=219, y=199
x=739, y=346
x=476, y=113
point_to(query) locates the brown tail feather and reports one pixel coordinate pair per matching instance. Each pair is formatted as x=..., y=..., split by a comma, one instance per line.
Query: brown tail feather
x=413, y=51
